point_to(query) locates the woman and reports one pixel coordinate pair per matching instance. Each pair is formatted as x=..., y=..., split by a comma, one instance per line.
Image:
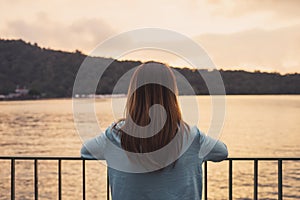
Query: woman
x=161, y=155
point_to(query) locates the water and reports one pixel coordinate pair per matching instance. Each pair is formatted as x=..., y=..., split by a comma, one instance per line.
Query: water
x=255, y=126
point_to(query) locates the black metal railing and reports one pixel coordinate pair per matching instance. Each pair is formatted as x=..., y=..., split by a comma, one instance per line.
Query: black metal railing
x=205, y=180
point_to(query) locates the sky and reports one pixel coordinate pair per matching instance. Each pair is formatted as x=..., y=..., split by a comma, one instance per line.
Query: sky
x=248, y=35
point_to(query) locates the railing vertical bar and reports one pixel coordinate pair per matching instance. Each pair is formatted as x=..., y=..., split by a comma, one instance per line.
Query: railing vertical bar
x=107, y=184
x=230, y=180
x=205, y=181
x=12, y=179
x=279, y=179
x=59, y=179
x=36, y=181
x=83, y=179
x=255, y=178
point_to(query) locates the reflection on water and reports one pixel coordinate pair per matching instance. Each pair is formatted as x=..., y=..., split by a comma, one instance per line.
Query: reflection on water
x=255, y=126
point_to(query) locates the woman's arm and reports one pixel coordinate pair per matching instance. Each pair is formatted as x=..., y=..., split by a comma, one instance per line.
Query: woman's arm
x=212, y=149
x=94, y=148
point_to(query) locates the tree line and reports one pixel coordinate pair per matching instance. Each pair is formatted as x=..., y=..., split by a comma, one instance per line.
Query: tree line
x=52, y=73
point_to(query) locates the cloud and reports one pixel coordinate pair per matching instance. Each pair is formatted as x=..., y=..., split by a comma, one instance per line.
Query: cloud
x=287, y=8
x=272, y=50
x=82, y=34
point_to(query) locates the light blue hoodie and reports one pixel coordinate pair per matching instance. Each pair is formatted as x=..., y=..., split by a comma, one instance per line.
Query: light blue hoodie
x=180, y=181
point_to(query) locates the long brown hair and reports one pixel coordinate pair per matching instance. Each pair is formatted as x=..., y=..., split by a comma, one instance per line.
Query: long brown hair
x=142, y=95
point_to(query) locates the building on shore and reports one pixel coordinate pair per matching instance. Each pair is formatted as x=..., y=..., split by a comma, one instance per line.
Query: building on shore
x=19, y=94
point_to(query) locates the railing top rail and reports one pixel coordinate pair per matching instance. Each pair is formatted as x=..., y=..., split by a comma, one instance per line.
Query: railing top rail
x=79, y=158
x=263, y=158
x=42, y=158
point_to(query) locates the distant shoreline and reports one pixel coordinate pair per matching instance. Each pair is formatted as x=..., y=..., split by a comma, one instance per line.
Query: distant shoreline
x=109, y=97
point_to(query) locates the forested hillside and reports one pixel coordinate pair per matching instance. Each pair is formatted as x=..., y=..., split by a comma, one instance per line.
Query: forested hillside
x=52, y=73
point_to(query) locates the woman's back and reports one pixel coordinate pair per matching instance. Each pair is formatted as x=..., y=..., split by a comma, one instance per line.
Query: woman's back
x=179, y=180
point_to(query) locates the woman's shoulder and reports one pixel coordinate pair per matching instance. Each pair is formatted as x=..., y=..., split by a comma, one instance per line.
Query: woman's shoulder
x=194, y=130
x=113, y=133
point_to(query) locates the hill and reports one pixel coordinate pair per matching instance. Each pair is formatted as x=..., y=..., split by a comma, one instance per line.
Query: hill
x=52, y=73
